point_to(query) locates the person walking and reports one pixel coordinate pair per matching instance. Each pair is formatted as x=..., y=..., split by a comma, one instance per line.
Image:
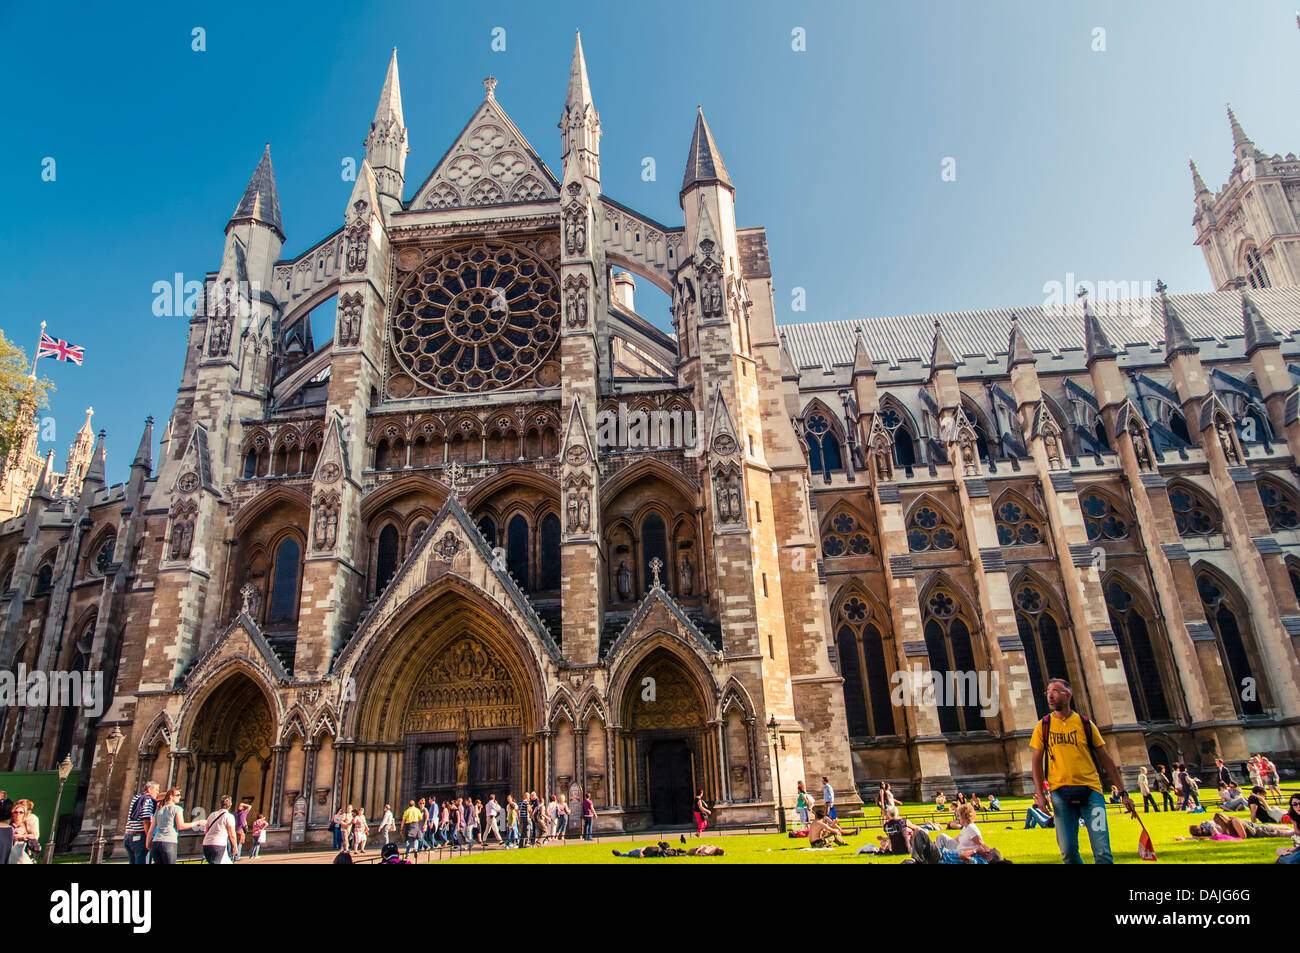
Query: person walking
x=360, y=831
x=139, y=819
x=803, y=804
x=552, y=817
x=219, y=833
x=541, y=825
x=828, y=796
x=386, y=823
x=411, y=828
x=163, y=838
x=562, y=818
x=338, y=829
x=588, y=815
x=492, y=810
x=1072, y=750
x=1144, y=783
x=241, y=826
x=512, y=822
x=702, y=813
x=1270, y=778
x=1164, y=786
x=258, y=833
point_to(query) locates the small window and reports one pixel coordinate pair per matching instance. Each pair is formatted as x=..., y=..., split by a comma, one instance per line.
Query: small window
x=1101, y=519
x=1193, y=513
x=928, y=530
x=1255, y=273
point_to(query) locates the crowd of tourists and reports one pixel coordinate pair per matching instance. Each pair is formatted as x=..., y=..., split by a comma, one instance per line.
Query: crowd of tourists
x=463, y=823
x=20, y=831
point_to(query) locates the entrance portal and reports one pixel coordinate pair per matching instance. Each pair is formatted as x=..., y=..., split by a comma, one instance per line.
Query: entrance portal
x=669, y=778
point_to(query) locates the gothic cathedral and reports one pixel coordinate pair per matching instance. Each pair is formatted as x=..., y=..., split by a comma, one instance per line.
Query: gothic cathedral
x=502, y=533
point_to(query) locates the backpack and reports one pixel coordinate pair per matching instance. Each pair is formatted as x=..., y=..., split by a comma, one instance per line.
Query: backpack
x=1087, y=734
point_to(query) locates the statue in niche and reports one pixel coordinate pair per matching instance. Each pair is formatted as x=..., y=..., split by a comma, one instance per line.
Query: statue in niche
x=1224, y=429
x=1140, y=451
x=685, y=577
x=624, y=581
x=573, y=510
x=968, y=457
x=584, y=512
x=1052, y=447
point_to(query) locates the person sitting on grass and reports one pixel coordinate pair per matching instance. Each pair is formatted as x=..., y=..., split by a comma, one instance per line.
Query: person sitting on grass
x=1231, y=798
x=1114, y=795
x=940, y=802
x=966, y=848
x=823, y=831
x=897, y=838
x=975, y=802
x=994, y=803
x=1035, y=817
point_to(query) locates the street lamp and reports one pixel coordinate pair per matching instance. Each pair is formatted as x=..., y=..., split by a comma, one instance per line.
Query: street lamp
x=773, y=733
x=65, y=769
x=112, y=743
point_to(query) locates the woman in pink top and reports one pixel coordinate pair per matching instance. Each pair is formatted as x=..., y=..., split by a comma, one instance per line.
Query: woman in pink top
x=360, y=831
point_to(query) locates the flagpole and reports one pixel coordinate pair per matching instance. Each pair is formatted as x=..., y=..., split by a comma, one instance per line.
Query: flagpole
x=38, y=350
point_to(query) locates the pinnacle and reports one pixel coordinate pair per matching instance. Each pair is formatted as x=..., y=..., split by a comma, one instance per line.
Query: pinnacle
x=261, y=202
x=704, y=163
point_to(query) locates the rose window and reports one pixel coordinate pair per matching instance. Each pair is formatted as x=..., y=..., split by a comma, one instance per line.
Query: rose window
x=477, y=317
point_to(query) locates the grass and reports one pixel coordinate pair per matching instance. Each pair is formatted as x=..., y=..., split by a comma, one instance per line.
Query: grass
x=1022, y=846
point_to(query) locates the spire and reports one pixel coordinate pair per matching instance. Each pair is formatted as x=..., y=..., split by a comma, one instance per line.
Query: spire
x=260, y=203
x=580, y=124
x=144, y=454
x=1019, y=350
x=1239, y=137
x=704, y=163
x=85, y=427
x=98, y=470
x=788, y=371
x=1177, y=340
x=1198, y=184
x=390, y=97
x=41, y=490
x=1258, y=333
x=78, y=458
x=1096, y=345
x=940, y=353
x=862, y=362
x=579, y=95
x=386, y=142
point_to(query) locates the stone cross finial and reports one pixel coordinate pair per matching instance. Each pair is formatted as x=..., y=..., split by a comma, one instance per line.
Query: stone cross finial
x=656, y=564
x=1082, y=294
x=454, y=473
x=1161, y=287
x=490, y=84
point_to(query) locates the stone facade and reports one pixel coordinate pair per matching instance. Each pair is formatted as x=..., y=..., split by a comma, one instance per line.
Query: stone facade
x=501, y=533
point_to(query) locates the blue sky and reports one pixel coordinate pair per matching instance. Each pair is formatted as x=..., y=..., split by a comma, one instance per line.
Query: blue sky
x=1067, y=160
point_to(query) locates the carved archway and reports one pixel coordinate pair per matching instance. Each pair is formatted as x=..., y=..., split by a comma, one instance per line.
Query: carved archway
x=230, y=738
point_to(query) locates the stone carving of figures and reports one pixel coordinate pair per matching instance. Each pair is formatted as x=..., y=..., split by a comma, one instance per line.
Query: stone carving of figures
x=884, y=463
x=584, y=512
x=724, y=505
x=968, y=457
x=1053, y=449
x=1140, y=452
x=573, y=511
x=624, y=581
x=1229, y=445
x=733, y=497
x=220, y=340
x=686, y=577
x=711, y=298
x=575, y=232
x=252, y=599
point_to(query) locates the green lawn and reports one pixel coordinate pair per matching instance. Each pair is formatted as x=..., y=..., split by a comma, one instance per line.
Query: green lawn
x=1017, y=844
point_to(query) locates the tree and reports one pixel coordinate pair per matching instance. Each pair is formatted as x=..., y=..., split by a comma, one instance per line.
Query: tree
x=21, y=396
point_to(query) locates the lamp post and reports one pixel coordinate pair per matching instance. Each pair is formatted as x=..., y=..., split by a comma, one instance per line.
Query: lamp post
x=65, y=769
x=112, y=743
x=773, y=733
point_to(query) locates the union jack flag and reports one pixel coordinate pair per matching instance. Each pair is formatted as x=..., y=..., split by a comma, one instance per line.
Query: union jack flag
x=58, y=349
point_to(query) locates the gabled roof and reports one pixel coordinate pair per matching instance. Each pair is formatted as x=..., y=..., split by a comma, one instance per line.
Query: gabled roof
x=1129, y=324
x=658, y=597
x=490, y=163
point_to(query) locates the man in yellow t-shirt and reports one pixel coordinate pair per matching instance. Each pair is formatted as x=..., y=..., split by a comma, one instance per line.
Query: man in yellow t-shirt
x=1072, y=776
x=411, y=828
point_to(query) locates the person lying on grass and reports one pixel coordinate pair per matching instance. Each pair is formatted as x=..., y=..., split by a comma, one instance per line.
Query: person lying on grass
x=1236, y=827
x=663, y=849
x=823, y=831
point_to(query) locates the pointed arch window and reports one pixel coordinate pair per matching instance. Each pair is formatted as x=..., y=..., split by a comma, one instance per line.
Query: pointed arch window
x=1279, y=505
x=1194, y=514
x=845, y=536
x=250, y=464
x=1231, y=627
x=44, y=579
x=1040, y=633
x=823, y=445
x=1255, y=273
x=1141, y=668
x=1101, y=519
x=861, y=653
x=550, y=540
x=284, y=582
x=386, y=557
x=952, y=658
x=517, y=549
x=654, y=545
x=891, y=418
x=1017, y=525
x=488, y=527
x=928, y=529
